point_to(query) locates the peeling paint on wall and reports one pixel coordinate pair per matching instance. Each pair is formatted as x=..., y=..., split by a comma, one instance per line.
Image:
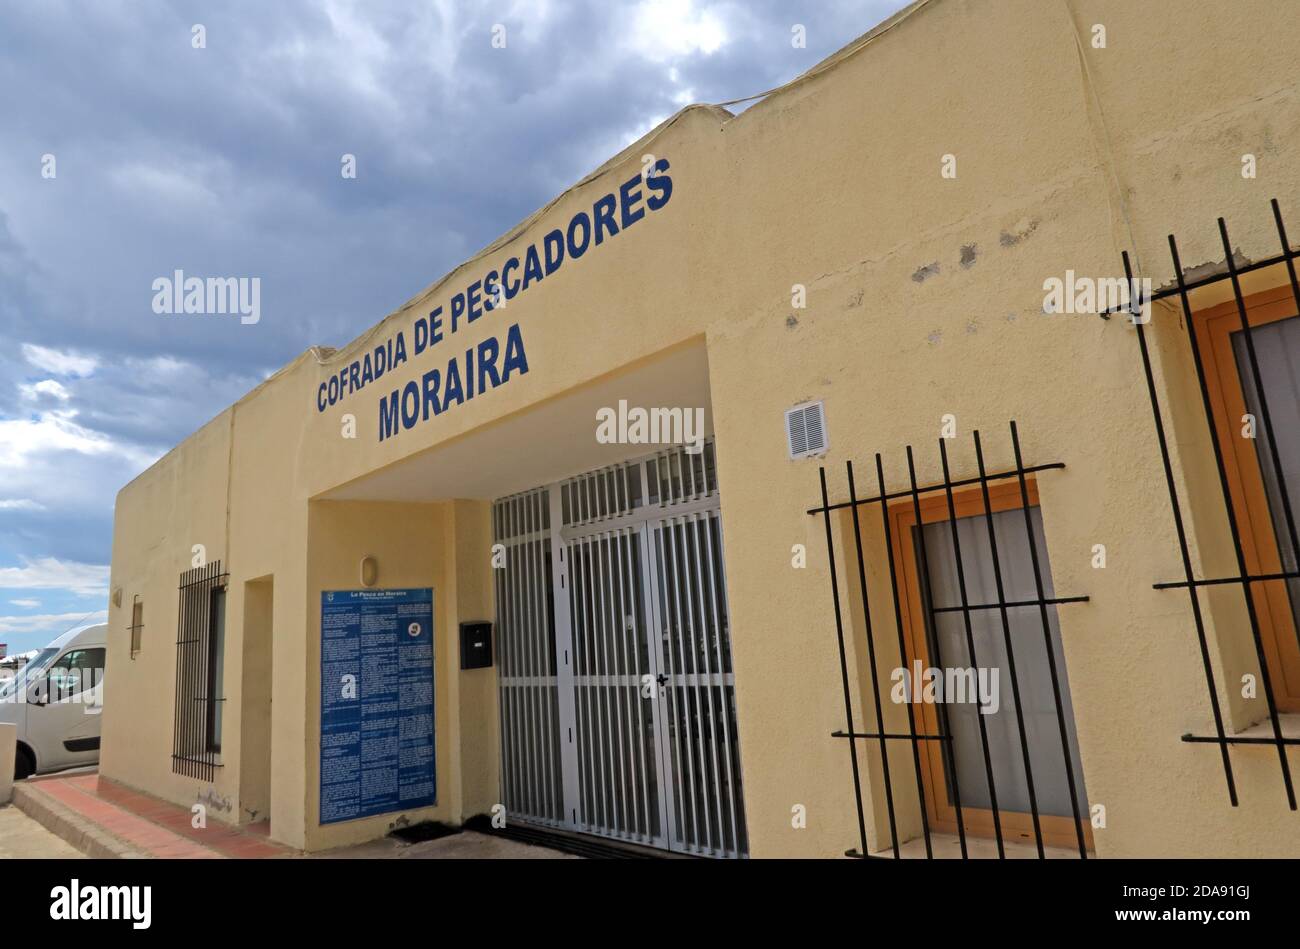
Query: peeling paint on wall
x=922, y=274
x=1018, y=232
x=1211, y=268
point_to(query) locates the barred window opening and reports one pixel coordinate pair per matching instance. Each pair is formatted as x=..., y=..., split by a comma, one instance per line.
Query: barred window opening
x=994, y=751
x=200, y=648
x=1245, y=358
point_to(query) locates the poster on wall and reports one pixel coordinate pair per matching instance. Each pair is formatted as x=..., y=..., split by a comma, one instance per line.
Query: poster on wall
x=376, y=691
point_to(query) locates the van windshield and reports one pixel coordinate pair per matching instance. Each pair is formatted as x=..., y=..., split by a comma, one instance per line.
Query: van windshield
x=27, y=673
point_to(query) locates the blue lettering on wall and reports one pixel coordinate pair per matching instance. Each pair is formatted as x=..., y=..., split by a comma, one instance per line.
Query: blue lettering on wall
x=415, y=401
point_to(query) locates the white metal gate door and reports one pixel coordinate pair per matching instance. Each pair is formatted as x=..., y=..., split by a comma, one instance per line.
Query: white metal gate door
x=699, y=694
x=531, y=761
x=639, y=689
x=615, y=726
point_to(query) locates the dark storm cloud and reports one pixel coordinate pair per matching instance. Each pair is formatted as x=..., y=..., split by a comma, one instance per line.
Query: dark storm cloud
x=225, y=161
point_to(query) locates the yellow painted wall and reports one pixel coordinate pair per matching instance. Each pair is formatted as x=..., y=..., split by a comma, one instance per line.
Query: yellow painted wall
x=257, y=686
x=157, y=524
x=924, y=298
x=409, y=542
x=469, y=548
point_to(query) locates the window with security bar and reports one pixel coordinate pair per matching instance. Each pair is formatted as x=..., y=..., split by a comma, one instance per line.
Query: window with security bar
x=1262, y=492
x=200, y=651
x=1004, y=672
x=1246, y=354
x=975, y=658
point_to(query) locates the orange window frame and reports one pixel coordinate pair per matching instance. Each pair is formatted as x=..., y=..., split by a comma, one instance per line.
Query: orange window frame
x=1214, y=329
x=1016, y=825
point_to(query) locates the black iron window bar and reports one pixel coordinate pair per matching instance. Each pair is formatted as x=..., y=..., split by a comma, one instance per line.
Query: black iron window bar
x=192, y=754
x=1243, y=578
x=914, y=493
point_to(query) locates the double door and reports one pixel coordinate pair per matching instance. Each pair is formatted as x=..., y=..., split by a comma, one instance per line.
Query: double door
x=617, y=690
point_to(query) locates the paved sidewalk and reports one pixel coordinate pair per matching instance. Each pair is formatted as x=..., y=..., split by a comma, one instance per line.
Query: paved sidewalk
x=101, y=818
x=23, y=838
x=105, y=819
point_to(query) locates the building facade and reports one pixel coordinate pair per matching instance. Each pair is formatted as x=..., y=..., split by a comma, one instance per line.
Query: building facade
x=995, y=626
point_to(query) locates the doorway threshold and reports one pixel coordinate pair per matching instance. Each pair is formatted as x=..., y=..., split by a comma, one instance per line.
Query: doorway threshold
x=570, y=842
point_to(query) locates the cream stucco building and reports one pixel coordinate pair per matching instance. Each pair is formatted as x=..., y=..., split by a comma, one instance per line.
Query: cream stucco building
x=873, y=244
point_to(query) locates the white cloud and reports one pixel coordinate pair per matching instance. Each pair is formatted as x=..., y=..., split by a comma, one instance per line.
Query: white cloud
x=662, y=30
x=45, y=387
x=368, y=51
x=355, y=57
x=26, y=604
x=58, y=622
x=20, y=504
x=20, y=439
x=47, y=573
x=159, y=366
x=59, y=362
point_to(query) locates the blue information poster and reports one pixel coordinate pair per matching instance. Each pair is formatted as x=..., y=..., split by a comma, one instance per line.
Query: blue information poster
x=376, y=698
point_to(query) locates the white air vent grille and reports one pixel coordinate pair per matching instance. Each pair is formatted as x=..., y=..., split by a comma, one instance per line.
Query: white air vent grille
x=805, y=427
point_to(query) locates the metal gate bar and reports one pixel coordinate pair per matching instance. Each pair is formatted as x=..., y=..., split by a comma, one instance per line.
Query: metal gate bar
x=635, y=632
x=718, y=601
x=617, y=794
x=530, y=748
x=706, y=794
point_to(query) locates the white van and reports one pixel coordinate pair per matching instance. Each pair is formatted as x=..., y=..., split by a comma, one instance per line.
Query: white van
x=56, y=701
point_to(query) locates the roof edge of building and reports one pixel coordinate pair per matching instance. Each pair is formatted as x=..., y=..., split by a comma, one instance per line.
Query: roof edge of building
x=326, y=355
x=835, y=59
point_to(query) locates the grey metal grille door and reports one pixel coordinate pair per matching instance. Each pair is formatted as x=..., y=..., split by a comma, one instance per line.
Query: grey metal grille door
x=640, y=690
x=530, y=728
x=615, y=742
x=694, y=633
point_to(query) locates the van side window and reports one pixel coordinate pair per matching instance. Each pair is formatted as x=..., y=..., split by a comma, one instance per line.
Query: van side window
x=76, y=671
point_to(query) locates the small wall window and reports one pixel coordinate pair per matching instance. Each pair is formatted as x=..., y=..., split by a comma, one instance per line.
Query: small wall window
x=137, y=626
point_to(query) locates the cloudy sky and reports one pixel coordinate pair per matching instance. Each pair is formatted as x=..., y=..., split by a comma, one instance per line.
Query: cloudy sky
x=225, y=161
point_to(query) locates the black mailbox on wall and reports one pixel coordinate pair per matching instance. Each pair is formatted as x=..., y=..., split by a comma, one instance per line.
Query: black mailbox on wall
x=475, y=645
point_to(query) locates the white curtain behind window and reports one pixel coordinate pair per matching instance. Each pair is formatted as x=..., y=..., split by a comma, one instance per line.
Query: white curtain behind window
x=948, y=648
